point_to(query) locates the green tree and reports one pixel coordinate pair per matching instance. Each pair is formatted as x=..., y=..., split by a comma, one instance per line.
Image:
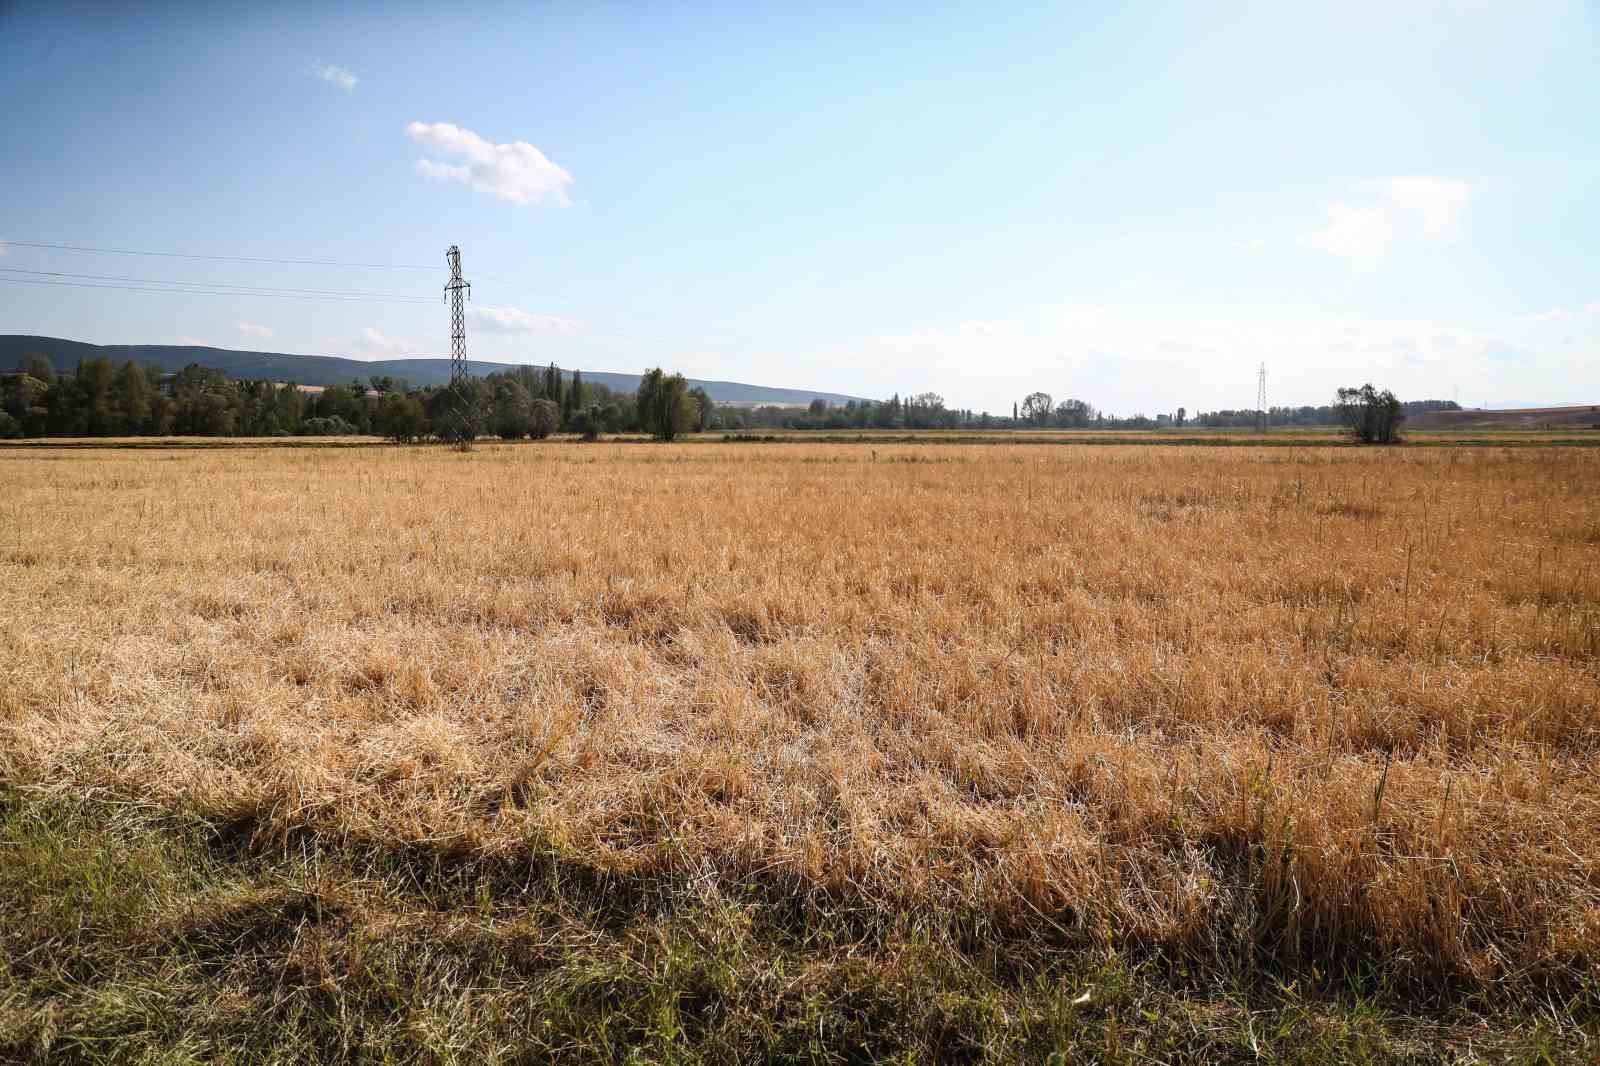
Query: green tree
x=133, y=398
x=25, y=398
x=1037, y=407
x=205, y=402
x=512, y=411
x=348, y=403
x=574, y=402
x=92, y=384
x=704, y=408
x=37, y=365
x=456, y=412
x=888, y=415
x=665, y=409
x=544, y=418
x=620, y=413
x=1370, y=416
x=401, y=418
x=1074, y=413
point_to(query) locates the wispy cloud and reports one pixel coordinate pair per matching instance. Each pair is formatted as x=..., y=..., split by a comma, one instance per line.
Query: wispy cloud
x=1564, y=314
x=1363, y=229
x=515, y=320
x=516, y=171
x=1355, y=232
x=335, y=76
x=5, y=249
x=374, y=342
x=253, y=329
x=1437, y=203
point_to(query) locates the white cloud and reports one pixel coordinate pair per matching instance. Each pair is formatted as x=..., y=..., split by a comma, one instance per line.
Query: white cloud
x=517, y=171
x=5, y=249
x=1436, y=202
x=335, y=76
x=515, y=320
x=194, y=342
x=374, y=342
x=1076, y=319
x=1358, y=233
x=1564, y=314
x=252, y=329
x=1417, y=206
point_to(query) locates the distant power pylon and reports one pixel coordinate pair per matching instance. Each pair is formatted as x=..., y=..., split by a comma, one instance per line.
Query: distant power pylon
x=1261, y=399
x=461, y=423
x=454, y=290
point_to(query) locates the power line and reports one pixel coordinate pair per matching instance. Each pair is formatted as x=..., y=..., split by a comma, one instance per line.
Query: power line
x=212, y=292
x=220, y=258
x=218, y=285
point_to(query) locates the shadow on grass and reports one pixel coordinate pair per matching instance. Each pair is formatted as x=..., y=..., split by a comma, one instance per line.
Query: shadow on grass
x=131, y=933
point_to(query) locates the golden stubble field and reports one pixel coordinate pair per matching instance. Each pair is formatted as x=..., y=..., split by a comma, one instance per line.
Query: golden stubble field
x=1330, y=700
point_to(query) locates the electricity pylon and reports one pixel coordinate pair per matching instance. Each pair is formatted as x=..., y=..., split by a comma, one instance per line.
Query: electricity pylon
x=461, y=422
x=1261, y=399
x=454, y=290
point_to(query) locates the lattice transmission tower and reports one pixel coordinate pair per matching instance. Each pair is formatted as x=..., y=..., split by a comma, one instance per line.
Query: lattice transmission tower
x=456, y=290
x=1261, y=399
x=461, y=423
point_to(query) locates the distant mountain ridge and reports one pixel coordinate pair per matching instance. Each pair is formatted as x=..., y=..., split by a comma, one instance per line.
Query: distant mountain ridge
x=336, y=370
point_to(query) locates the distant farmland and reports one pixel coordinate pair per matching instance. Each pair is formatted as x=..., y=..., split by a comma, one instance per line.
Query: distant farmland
x=801, y=752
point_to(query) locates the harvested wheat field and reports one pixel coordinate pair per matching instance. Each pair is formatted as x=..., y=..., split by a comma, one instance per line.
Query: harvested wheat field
x=806, y=752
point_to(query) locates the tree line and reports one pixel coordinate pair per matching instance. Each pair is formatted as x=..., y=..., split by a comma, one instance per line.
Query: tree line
x=1038, y=410
x=101, y=399
x=1326, y=415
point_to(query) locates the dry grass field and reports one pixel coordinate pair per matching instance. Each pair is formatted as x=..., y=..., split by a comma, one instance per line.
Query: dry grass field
x=811, y=752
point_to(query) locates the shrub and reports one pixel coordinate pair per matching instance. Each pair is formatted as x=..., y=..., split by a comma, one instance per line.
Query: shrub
x=1370, y=416
x=332, y=426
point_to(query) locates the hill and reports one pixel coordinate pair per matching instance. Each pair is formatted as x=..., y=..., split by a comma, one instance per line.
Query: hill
x=336, y=370
x=1578, y=416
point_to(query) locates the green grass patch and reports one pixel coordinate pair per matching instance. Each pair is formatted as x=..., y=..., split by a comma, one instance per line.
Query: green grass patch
x=133, y=934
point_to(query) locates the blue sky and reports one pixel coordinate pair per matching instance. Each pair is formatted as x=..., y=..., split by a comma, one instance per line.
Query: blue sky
x=1134, y=204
